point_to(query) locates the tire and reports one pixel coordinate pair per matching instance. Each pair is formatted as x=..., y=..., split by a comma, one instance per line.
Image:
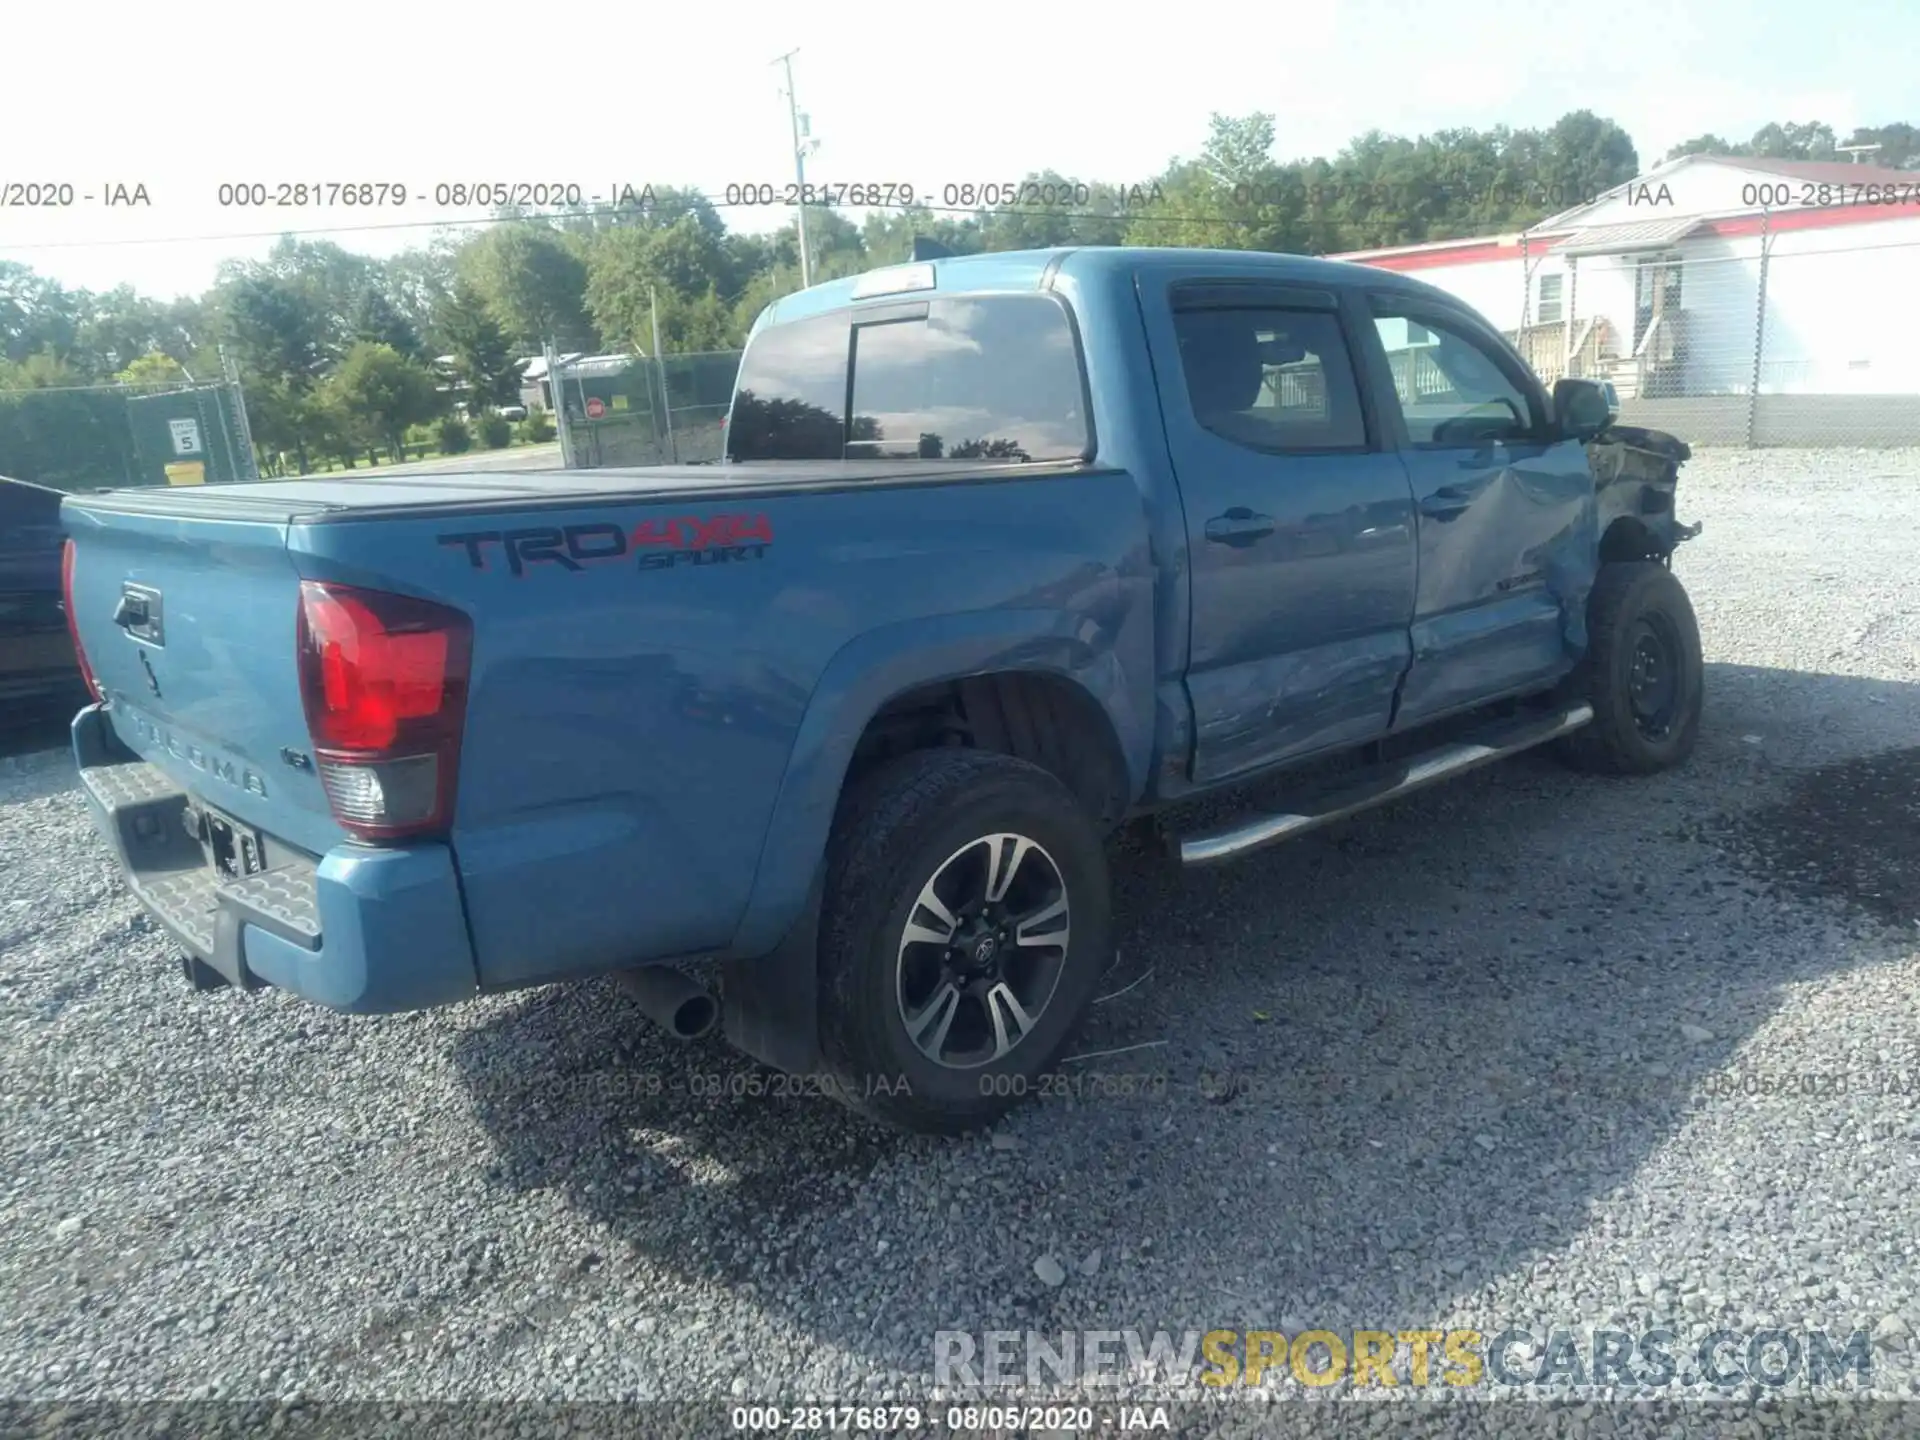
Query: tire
x=1645, y=720
x=920, y=825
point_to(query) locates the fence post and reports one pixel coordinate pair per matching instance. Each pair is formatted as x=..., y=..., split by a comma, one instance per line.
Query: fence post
x=660, y=365
x=559, y=399
x=237, y=398
x=1759, y=326
x=1526, y=288
x=1572, y=288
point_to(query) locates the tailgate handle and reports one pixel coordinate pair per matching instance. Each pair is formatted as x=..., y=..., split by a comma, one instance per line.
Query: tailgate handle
x=138, y=613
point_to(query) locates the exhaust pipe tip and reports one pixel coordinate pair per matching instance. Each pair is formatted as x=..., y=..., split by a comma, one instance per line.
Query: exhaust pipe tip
x=683, y=1008
x=695, y=1017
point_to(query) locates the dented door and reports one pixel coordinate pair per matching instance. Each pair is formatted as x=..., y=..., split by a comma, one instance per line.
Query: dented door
x=1504, y=514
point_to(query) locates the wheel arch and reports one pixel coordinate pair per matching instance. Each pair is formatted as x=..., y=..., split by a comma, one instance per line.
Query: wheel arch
x=1628, y=537
x=1017, y=680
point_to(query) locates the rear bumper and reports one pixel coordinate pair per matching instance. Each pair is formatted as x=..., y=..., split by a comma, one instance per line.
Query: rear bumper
x=358, y=929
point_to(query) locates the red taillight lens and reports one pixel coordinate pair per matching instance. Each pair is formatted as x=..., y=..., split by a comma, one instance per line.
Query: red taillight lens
x=73, y=620
x=384, y=681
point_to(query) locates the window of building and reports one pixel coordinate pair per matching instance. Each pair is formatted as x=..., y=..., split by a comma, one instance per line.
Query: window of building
x=1551, y=310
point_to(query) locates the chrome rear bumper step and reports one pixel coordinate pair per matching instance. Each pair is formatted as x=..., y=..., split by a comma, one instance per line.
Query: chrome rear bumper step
x=1403, y=777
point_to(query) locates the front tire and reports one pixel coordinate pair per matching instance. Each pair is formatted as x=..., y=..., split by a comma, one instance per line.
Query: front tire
x=1643, y=674
x=967, y=919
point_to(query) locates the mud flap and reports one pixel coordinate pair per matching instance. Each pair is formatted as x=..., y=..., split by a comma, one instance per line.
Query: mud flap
x=770, y=1007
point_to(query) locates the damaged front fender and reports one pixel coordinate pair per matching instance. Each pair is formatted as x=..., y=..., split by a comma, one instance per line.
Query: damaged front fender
x=1635, y=475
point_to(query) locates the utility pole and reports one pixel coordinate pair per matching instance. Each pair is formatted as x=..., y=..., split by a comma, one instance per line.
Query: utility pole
x=803, y=145
x=660, y=368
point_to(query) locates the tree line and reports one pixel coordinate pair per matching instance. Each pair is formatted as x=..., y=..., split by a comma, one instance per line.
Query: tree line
x=342, y=355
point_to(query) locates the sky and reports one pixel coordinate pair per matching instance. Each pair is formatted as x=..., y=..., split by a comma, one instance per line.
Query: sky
x=183, y=97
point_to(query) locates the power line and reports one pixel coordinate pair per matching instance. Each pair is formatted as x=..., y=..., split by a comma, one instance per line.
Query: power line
x=556, y=219
x=1124, y=214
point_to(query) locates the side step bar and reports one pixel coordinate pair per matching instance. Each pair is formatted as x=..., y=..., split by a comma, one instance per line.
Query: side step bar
x=1401, y=778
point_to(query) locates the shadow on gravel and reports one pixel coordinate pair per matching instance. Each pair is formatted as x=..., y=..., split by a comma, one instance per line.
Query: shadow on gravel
x=41, y=732
x=1359, y=1076
x=35, y=760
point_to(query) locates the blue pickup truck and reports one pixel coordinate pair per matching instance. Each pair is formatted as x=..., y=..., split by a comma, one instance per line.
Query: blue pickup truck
x=822, y=744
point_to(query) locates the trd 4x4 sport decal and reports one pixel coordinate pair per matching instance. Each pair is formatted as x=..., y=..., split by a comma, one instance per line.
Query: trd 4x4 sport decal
x=659, y=544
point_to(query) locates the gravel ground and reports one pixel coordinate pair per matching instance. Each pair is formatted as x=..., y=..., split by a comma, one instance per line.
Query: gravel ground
x=1531, y=1050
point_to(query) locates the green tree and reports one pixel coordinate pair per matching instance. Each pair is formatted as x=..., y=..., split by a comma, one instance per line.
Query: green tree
x=275, y=330
x=684, y=266
x=533, y=280
x=1899, y=145
x=1811, y=141
x=378, y=320
x=42, y=370
x=1708, y=144
x=482, y=356
x=1050, y=211
x=1584, y=155
x=152, y=368
x=418, y=283
x=887, y=236
x=383, y=393
x=36, y=314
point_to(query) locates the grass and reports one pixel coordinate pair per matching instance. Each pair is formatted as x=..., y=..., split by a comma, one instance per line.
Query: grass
x=416, y=452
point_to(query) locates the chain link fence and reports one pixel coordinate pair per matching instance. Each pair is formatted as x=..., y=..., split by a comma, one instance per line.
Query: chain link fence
x=114, y=435
x=617, y=410
x=1790, y=338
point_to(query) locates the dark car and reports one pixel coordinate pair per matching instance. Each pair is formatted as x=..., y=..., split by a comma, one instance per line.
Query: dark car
x=39, y=675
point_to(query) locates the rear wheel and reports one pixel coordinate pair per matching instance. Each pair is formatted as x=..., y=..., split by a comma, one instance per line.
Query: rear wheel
x=967, y=919
x=1643, y=673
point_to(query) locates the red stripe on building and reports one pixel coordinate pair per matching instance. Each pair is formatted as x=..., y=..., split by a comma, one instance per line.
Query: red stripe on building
x=1470, y=252
x=1809, y=219
x=1481, y=252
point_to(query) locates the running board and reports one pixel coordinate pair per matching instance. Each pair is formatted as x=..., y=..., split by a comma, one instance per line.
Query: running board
x=1403, y=777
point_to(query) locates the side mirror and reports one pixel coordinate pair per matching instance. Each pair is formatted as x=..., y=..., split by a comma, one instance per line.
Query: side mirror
x=1583, y=408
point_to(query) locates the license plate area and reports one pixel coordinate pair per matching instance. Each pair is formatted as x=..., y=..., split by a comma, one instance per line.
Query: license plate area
x=234, y=848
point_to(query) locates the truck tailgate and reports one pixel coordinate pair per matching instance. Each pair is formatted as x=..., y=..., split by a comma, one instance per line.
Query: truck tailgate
x=188, y=621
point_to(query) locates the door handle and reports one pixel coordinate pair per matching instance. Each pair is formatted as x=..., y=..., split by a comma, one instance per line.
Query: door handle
x=1239, y=526
x=130, y=613
x=1442, y=506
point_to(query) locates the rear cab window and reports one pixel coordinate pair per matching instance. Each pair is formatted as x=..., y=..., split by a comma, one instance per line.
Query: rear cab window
x=964, y=377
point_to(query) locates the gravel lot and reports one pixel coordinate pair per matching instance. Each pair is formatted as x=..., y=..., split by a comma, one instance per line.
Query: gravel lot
x=1491, y=1053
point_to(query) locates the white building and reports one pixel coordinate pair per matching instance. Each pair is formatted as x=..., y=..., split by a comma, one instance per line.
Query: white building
x=1709, y=278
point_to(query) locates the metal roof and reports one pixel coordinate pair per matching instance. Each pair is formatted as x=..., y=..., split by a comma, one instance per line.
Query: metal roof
x=1825, y=172
x=1628, y=236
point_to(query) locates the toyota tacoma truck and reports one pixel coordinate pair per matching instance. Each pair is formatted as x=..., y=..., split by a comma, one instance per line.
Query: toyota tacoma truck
x=821, y=744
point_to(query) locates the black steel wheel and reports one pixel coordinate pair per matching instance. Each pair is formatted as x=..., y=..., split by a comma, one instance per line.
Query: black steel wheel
x=1643, y=673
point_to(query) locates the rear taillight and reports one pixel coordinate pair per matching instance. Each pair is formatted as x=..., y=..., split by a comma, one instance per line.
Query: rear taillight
x=384, y=681
x=73, y=620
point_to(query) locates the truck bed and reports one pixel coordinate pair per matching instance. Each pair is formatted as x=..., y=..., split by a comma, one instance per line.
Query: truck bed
x=316, y=498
